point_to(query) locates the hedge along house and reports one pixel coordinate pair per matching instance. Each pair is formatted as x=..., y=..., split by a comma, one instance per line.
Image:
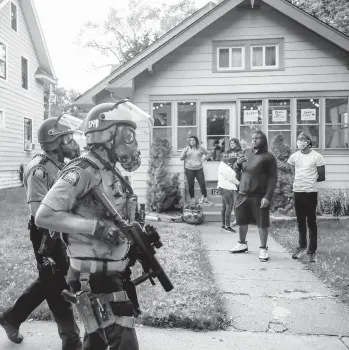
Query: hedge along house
x=234, y=68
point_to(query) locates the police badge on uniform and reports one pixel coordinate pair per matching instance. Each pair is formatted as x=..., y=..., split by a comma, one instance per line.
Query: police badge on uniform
x=40, y=173
x=72, y=177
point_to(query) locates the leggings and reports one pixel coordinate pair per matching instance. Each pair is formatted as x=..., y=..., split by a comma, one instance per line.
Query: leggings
x=200, y=177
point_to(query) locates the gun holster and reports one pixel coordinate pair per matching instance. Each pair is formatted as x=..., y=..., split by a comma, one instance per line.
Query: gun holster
x=96, y=311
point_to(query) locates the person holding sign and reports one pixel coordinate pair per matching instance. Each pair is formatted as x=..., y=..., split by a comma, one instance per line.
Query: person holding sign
x=309, y=168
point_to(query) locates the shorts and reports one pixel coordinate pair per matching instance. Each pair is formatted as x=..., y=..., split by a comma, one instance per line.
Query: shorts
x=248, y=211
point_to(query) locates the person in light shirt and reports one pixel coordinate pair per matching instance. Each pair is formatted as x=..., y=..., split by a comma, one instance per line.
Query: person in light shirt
x=309, y=169
x=227, y=183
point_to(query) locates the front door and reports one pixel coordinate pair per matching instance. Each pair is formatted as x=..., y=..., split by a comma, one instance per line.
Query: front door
x=218, y=126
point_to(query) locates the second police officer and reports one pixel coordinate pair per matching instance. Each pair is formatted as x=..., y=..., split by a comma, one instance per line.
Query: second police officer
x=97, y=248
x=55, y=136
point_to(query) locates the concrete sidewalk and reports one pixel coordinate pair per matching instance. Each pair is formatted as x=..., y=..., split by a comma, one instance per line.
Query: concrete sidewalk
x=274, y=305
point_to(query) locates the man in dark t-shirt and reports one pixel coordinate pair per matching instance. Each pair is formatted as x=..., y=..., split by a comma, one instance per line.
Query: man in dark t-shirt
x=258, y=171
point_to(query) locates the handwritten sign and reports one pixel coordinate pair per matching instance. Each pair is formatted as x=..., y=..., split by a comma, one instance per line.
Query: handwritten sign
x=279, y=116
x=251, y=116
x=308, y=114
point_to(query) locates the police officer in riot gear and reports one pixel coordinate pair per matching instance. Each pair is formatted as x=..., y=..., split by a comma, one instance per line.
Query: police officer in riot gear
x=97, y=248
x=55, y=136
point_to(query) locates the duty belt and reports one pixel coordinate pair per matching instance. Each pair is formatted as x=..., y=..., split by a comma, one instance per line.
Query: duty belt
x=93, y=266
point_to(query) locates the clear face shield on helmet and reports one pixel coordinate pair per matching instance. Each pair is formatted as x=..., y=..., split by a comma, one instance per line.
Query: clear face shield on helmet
x=73, y=138
x=130, y=122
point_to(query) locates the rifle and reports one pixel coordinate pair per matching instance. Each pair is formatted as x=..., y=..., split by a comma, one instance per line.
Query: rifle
x=145, y=240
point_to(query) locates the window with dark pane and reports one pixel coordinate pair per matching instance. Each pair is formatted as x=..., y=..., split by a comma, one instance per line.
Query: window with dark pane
x=186, y=123
x=223, y=58
x=162, y=114
x=24, y=67
x=14, y=19
x=251, y=114
x=270, y=56
x=308, y=116
x=28, y=130
x=336, y=128
x=3, y=61
x=279, y=120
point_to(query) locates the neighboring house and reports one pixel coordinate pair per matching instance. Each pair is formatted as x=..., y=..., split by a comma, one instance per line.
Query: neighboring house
x=25, y=67
x=236, y=67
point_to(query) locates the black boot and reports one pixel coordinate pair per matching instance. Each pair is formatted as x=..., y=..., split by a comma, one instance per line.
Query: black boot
x=11, y=330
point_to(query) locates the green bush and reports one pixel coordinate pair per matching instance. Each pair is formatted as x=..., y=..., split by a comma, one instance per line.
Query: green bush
x=282, y=202
x=163, y=188
x=333, y=202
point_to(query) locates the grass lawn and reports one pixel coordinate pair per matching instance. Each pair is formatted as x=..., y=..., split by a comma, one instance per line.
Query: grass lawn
x=332, y=264
x=194, y=303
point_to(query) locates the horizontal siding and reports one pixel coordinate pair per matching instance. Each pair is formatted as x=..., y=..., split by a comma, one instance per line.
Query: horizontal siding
x=311, y=64
x=16, y=101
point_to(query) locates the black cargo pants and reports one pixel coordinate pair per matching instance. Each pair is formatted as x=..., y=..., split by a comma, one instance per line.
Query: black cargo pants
x=116, y=336
x=48, y=286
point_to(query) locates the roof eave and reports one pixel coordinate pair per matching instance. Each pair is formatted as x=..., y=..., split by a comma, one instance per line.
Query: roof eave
x=37, y=36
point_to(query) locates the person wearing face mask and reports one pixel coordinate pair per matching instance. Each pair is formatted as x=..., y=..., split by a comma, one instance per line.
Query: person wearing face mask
x=55, y=136
x=309, y=169
x=97, y=247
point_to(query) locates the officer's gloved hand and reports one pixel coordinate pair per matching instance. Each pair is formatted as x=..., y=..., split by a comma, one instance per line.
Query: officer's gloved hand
x=108, y=232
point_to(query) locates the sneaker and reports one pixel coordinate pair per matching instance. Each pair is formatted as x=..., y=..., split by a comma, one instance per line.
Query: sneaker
x=239, y=248
x=299, y=253
x=223, y=227
x=263, y=254
x=205, y=201
x=228, y=229
x=312, y=257
x=233, y=224
x=12, y=332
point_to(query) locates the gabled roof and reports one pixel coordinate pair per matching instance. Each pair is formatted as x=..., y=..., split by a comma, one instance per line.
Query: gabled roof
x=38, y=39
x=192, y=26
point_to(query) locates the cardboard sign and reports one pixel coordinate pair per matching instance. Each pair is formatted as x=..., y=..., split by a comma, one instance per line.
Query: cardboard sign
x=279, y=116
x=308, y=114
x=251, y=116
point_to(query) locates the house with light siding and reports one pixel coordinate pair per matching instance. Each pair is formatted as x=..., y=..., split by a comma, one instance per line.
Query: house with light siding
x=25, y=67
x=233, y=68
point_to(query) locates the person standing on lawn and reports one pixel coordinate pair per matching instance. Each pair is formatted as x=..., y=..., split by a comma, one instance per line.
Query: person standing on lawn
x=309, y=169
x=258, y=173
x=56, y=139
x=227, y=183
x=234, y=152
x=194, y=155
x=98, y=249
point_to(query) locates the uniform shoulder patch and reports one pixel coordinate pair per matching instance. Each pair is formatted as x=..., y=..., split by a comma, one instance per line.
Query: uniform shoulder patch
x=72, y=177
x=40, y=172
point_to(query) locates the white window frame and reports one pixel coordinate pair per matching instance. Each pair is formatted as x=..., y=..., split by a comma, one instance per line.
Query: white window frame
x=230, y=68
x=16, y=6
x=27, y=89
x=174, y=115
x=6, y=61
x=264, y=46
x=330, y=124
x=3, y=124
x=176, y=126
x=24, y=140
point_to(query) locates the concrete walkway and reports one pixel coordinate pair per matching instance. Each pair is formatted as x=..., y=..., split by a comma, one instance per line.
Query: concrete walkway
x=274, y=305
